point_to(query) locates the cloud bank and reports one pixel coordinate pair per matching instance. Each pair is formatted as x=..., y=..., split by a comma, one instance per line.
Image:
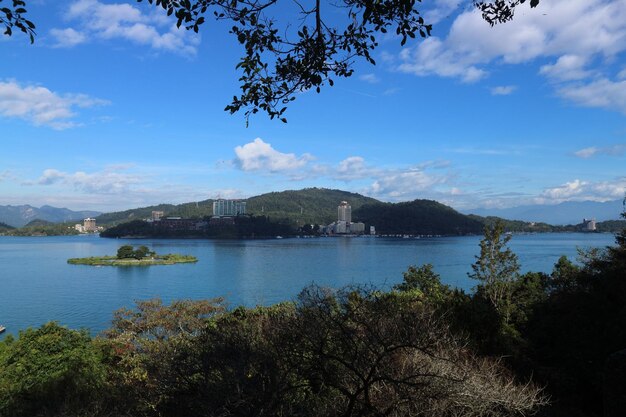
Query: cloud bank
x=42, y=107
x=579, y=38
x=122, y=21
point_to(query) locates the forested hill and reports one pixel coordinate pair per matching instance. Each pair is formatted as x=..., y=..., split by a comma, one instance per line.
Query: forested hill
x=187, y=210
x=4, y=227
x=307, y=206
x=420, y=217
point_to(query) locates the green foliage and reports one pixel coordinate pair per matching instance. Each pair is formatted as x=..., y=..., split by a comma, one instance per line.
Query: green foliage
x=576, y=328
x=48, y=370
x=40, y=228
x=418, y=217
x=620, y=238
x=424, y=280
x=307, y=206
x=128, y=256
x=141, y=252
x=564, y=275
x=153, y=356
x=5, y=228
x=496, y=268
x=125, y=252
x=518, y=226
x=242, y=227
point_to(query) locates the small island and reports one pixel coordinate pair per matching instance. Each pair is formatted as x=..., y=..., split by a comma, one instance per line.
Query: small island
x=127, y=255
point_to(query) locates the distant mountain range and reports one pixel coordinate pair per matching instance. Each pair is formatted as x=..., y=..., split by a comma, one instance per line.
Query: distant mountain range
x=571, y=212
x=319, y=206
x=18, y=216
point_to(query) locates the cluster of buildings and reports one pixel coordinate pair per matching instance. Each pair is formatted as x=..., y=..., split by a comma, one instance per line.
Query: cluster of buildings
x=344, y=224
x=589, y=225
x=175, y=222
x=225, y=212
x=88, y=226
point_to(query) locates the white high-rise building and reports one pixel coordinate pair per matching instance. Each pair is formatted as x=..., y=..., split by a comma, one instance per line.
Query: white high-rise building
x=223, y=207
x=344, y=212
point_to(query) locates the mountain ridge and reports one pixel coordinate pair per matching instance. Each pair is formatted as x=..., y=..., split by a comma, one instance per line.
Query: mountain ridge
x=19, y=216
x=569, y=212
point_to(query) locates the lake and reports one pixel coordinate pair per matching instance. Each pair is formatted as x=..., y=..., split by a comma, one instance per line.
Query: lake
x=37, y=285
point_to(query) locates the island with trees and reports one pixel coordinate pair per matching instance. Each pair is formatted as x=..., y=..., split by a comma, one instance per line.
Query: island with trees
x=127, y=255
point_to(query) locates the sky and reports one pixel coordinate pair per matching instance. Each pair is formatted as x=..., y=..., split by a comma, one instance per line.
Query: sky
x=113, y=107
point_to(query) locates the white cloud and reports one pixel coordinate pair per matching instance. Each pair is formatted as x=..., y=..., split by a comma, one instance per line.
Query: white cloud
x=369, y=78
x=602, y=93
x=260, y=156
x=433, y=57
x=42, y=107
x=614, y=150
x=108, y=181
x=67, y=38
x=503, y=90
x=127, y=22
x=573, y=33
x=578, y=190
x=565, y=191
x=407, y=184
x=566, y=68
x=353, y=168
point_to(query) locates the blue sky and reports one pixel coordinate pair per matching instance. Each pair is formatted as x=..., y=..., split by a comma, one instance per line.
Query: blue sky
x=114, y=108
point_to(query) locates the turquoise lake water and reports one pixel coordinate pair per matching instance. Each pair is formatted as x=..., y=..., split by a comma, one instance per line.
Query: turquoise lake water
x=37, y=285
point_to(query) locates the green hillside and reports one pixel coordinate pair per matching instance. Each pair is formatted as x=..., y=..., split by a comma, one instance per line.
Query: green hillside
x=132, y=214
x=517, y=226
x=39, y=227
x=307, y=206
x=5, y=227
x=419, y=217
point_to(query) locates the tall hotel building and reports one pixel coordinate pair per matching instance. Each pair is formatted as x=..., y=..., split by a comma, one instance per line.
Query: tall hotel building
x=344, y=212
x=223, y=207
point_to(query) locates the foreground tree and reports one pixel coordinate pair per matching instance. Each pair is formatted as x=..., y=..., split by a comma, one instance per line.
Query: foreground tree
x=304, y=49
x=48, y=371
x=497, y=268
x=367, y=353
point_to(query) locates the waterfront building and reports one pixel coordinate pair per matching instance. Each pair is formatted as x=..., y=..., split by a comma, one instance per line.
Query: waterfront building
x=156, y=215
x=344, y=212
x=222, y=207
x=341, y=227
x=178, y=223
x=357, y=228
x=89, y=225
x=589, y=225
